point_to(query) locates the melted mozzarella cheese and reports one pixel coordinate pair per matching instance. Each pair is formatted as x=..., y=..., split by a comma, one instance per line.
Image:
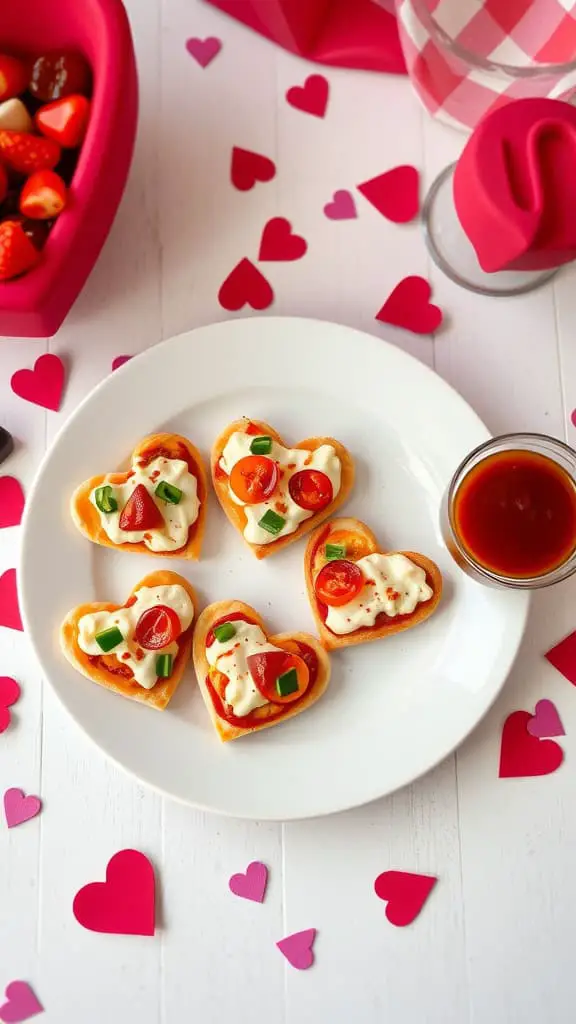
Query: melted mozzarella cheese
x=141, y=662
x=394, y=585
x=177, y=518
x=230, y=658
x=290, y=461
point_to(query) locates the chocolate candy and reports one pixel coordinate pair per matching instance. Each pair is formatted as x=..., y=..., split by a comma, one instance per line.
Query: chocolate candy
x=58, y=74
x=6, y=444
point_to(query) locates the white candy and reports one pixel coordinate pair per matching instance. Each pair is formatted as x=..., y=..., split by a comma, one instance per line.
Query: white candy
x=15, y=117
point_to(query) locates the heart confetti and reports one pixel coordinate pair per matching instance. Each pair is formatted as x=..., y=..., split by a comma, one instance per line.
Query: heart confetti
x=247, y=168
x=545, y=721
x=9, y=608
x=297, y=948
x=405, y=894
x=245, y=285
x=522, y=754
x=279, y=244
x=563, y=657
x=119, y=361
x=43, y=385
x=409, y=306
x=250, y=885
x=124, y=903
x=11, y=501
x=9, y=694
x=22, y=1004
x=573, y=417
x=19, y=808
x=204, y=50
x=394, y=194
x=312, y=97
x=341, y=207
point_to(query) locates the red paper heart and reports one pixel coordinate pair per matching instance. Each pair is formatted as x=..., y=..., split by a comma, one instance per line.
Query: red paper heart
x=247, y=168
x=409, y=306
x=312, y=97
x=9, y=609
x=44, y=384
x=405, y=893
x=522, y=754
x=204, y=50
x=563, y=657
x=279, y=244
x=394, y=193
x=9, y=694
x=245, y=285
x=11, y=501
x=124, y=903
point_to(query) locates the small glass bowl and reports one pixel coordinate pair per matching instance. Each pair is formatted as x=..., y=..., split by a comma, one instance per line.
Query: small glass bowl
x=541, y=444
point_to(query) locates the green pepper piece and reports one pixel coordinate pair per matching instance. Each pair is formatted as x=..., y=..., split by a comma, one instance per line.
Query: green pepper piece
x=271, y=522
x=225, y=631
x=108, y=639
x=287, y=683
x=164, y=664
x=105, y=499
x=167, y=492
x=335, y=551
x=261, y=445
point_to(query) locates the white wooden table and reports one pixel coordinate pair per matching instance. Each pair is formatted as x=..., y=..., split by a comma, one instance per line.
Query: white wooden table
x=495, y=944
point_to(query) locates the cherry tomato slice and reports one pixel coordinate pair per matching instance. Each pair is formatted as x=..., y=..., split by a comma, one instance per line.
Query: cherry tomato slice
x=140, y=512
x=311, y=489
x=157, y=627
x=338, y=582
x=265, y=668
x=254, y=479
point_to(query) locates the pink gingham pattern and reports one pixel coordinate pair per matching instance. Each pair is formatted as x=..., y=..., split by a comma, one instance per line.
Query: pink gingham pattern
x=519, y=33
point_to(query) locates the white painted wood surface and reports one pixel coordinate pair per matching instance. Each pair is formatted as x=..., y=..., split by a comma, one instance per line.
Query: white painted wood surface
x=495, y=944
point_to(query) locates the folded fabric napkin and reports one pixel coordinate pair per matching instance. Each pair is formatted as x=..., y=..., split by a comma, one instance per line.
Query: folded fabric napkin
x=343, y=33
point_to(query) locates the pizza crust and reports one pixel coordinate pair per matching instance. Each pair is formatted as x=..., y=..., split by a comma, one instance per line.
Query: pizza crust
x=160, y=694
x=366, y=634
x=87, y=520
x=235, y=513
x=218, y=610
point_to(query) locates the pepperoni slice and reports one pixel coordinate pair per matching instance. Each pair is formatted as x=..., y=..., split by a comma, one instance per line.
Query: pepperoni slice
x=140, y=512
x=311, y=489
x=338, y=582
x=157, y=627
x=266, y=668
x=254, y=479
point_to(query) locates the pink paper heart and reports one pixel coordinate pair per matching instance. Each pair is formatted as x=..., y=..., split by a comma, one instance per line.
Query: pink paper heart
x=279, y=243
x=394, y=194
x=312, y=97
x=119, y=361
x=409, y=306
x=405, y=893
x=11, y=501
x=342, y=206
x=250, y=885
x=204, y=50
x=19, y=808
x=545, y=721
x=9, y=694
x=297, y=948
x=124, y=903
x=9, y=609
x=43, y=385
x=22, y=1003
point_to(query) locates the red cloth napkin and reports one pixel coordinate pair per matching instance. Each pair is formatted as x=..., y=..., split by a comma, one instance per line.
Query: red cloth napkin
x=344, y=33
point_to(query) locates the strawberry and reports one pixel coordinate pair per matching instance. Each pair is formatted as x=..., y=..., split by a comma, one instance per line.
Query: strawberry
x=17, y=254
x=26, y=153
x=3, y=184
x=43, y=196
x=140, y=512
x=13, y=77
x=65, y=120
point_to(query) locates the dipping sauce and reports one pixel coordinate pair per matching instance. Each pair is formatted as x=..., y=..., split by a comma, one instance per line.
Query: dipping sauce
x=515, y=514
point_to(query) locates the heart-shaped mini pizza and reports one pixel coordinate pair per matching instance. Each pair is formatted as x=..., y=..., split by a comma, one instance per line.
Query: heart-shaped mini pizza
x=250, y=680
x=359, y=592
x=157, y=507
x=139, y=649
x=274, y=494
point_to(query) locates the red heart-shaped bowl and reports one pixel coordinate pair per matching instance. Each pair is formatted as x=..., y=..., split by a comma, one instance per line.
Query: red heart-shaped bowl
x=35, y=305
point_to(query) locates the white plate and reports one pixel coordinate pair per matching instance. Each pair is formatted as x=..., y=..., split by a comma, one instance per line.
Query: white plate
x=394, y=708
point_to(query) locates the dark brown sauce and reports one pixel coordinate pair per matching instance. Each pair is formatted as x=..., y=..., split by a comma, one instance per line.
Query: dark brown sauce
x=515, y=514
